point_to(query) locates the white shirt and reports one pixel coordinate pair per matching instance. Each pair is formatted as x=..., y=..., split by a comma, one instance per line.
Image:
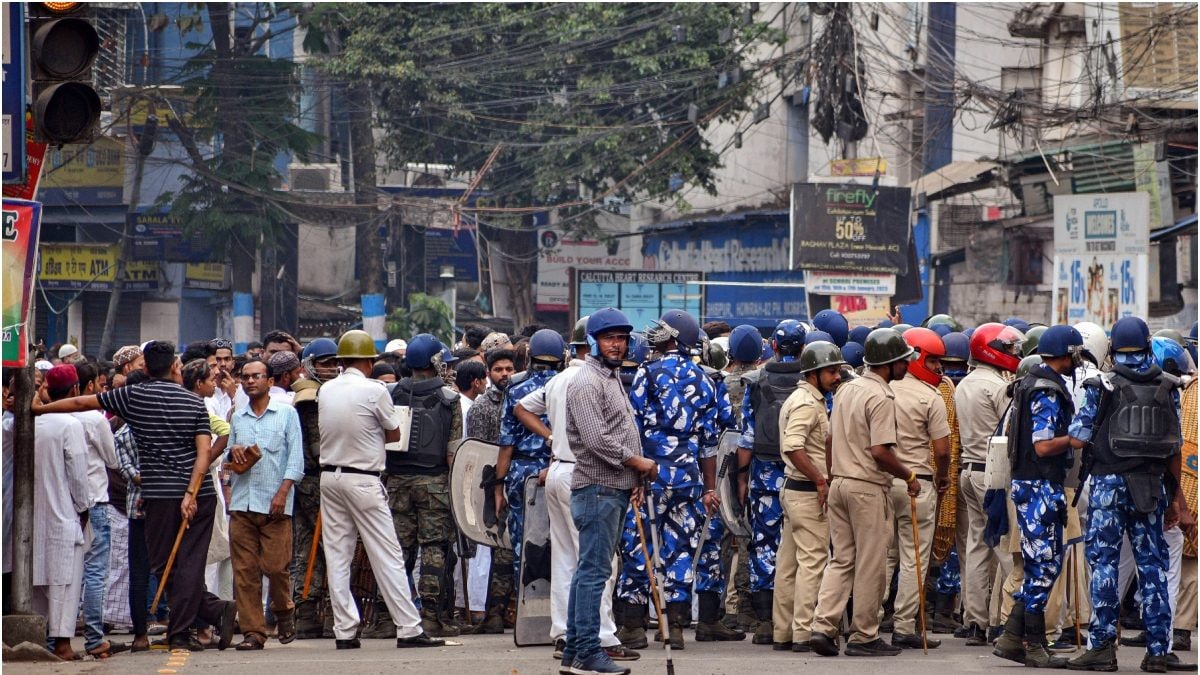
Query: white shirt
x=220, y=405
x=101, y=453
x=464, y=404
x=551, y=400
x=60, y=493
x=281, y=395
x=353, y=412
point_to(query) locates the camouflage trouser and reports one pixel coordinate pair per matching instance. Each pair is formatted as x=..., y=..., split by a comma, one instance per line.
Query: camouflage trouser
x=305, y=508
x=678, y=515
x=1041, y=508
x=421, y=514
x=500, y=581
x=741, y=573
x=766, y=521
x=514, y=493
x=1111, y=514
x=710, y=574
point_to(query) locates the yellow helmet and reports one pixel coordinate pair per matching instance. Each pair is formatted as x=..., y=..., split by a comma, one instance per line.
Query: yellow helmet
x=356, y=344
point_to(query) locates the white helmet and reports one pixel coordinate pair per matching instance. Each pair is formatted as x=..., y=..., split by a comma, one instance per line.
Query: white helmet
x=1095, y=341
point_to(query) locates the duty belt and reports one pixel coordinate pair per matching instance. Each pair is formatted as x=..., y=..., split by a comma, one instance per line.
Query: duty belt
x=973, y=466
x=329, y=468
x=799, y=485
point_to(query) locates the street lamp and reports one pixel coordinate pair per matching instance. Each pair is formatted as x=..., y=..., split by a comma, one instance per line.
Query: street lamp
x=449, y=294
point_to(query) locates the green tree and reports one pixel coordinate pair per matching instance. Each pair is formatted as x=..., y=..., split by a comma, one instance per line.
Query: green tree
x=584, y=99
x=425, y=314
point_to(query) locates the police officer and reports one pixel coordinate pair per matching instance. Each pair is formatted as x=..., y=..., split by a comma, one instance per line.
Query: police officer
x=980, y=401
x=1041, y=456
x=958, y=353
x=804, y=550
x=921, y=420
x=1129, y=424
x=418, y=480
x=320, y=366
x=356, y=418
x=863, y=464
x=522, y=452
x=745, y=352
x=759, y=455
x=675, y=406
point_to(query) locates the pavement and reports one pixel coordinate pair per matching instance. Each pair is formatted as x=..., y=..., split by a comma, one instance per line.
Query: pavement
x=496, y=655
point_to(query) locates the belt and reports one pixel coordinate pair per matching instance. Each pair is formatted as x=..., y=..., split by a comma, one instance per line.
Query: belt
x=564, y=461
x=925, y=476
x=973, y=466
x=799, y=485
x=349, y=469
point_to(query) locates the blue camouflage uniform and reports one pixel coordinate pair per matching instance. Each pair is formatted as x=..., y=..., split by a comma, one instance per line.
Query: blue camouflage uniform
x=949, y=579
x=1111, y=514
x=766, y=509
x=675, y=405
x=1041, y=508
x=530, y=455
x=710, y=577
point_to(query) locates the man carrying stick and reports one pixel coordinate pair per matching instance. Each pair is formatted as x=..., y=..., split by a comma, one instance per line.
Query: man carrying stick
x=172, y=430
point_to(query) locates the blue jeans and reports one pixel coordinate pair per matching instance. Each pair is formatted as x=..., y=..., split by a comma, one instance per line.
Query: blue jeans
x=95, y=576
x=598, y=513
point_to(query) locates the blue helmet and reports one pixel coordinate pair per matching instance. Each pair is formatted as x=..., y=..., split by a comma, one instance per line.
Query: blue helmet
x=958, y=347
x=1018, y=323
x=677, y=325
x=1130, y=334
x=817, y=335
x=968, y=332
x=421, y=351
x=834, y=324
x=852, y=352
x=768, y=350
x=636, y=353
x=886, y=323
x=448, y=356
x=745, y=344
x=547, y=345
x=604, y=320
x=942, y=329
x=859, y=334
x=1170, y=356
x=319, y=349
x=788, y=337
x=1059, y=341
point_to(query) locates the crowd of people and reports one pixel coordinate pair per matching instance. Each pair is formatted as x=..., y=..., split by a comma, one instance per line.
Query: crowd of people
x=826, y=484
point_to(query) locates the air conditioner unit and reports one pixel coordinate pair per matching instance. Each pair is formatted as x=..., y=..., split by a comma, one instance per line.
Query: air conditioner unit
x=315, y=177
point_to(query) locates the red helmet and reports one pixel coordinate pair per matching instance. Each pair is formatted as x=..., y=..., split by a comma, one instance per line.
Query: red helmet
x=997, y=345
x=926, y=343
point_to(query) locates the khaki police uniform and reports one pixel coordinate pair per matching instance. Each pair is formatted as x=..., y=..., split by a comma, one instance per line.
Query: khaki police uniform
x=804, y=546
x=859, y=512
x=353, y=413
x=920, y=419
x=980, y=401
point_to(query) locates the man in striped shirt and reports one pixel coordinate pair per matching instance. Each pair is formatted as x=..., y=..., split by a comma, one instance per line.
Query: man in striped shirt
x=172, y=431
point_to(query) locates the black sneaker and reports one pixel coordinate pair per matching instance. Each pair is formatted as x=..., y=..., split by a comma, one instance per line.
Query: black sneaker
x=421, y=640
x=352, y=643
x=876, y=647
x=976, y=637
x=913, y=641
x=824, y=645
x=559, y=645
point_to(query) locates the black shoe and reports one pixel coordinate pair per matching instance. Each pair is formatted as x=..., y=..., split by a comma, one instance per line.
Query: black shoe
x=1139, y=640
x=876, y=647
x=823, y=645
x=421, y=640
x=1154, y=664
x=782, y=646
x=1181, y=640
x=228, y=616
x=559, y=645
x=976, y=637
x=801, y=647
x=962, y=632
x=352, y=643
x=994, y=633
x=913, y=641
x=1100, y=659
x=189, y=643
x=1174, y=664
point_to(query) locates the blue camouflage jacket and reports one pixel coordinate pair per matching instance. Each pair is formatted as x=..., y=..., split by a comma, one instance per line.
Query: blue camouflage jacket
x=526, y=444
x=676, y=407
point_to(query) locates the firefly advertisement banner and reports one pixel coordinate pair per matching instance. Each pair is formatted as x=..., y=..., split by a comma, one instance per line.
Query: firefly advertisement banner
x=22, y=223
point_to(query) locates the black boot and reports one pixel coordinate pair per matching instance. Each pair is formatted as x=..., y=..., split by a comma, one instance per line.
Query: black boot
x=1009, y=646
x=709, y=628
x=631, y=624
x=677, y=613
x=943, y=614
x=764, y=634
x=1036, y=654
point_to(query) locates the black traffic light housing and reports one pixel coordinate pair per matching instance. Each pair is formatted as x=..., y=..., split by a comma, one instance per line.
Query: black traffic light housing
x=63, y=45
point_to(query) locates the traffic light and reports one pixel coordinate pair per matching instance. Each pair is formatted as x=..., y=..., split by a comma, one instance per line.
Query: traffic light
x=62, y=48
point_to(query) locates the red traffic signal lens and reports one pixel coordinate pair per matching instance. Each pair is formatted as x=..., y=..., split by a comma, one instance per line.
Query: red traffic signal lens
x=65, y=48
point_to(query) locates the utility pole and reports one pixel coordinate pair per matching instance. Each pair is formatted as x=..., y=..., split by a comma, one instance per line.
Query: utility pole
x=798, y=131
x=22, y=487
x=369, y=245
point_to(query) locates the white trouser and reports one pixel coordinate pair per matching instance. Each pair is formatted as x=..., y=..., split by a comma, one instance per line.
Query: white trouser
x=60, y=603
x=1127, y=568
x=564, y=557
x=355, y=505
x=478, y=569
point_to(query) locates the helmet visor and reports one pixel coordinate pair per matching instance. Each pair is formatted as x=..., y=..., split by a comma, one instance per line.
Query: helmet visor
x=1008, y=341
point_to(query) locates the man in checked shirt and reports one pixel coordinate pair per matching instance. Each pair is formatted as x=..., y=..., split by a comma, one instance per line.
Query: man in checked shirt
x=609, y=466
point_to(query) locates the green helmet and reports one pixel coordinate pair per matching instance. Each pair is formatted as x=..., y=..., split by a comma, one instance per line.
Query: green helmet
x=901, y=327
x=1027, y=365
x=1172, y=335
x=1030, y=345
x=940, y=320
x=717, y=358
x=819, y=354
x=356, y=344
x=884, y=346
x=579, y=333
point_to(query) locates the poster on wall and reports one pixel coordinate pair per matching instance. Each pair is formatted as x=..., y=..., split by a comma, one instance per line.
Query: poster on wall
x=22, y=224
x=850, y=227
x=1101, y=263
x=559, y=250
x=643, y=296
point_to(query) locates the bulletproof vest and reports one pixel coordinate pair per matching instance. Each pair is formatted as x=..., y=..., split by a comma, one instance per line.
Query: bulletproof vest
x=773, y=384
x=432, y=414
x=305, y=402
x=1026, y=465
x=1140, y=428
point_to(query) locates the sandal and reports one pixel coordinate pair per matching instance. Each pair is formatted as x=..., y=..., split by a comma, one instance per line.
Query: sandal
x=285, y=630
x=252, y=642
x=107, y=648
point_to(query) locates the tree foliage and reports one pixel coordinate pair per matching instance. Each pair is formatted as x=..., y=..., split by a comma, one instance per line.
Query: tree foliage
x=425, y=314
